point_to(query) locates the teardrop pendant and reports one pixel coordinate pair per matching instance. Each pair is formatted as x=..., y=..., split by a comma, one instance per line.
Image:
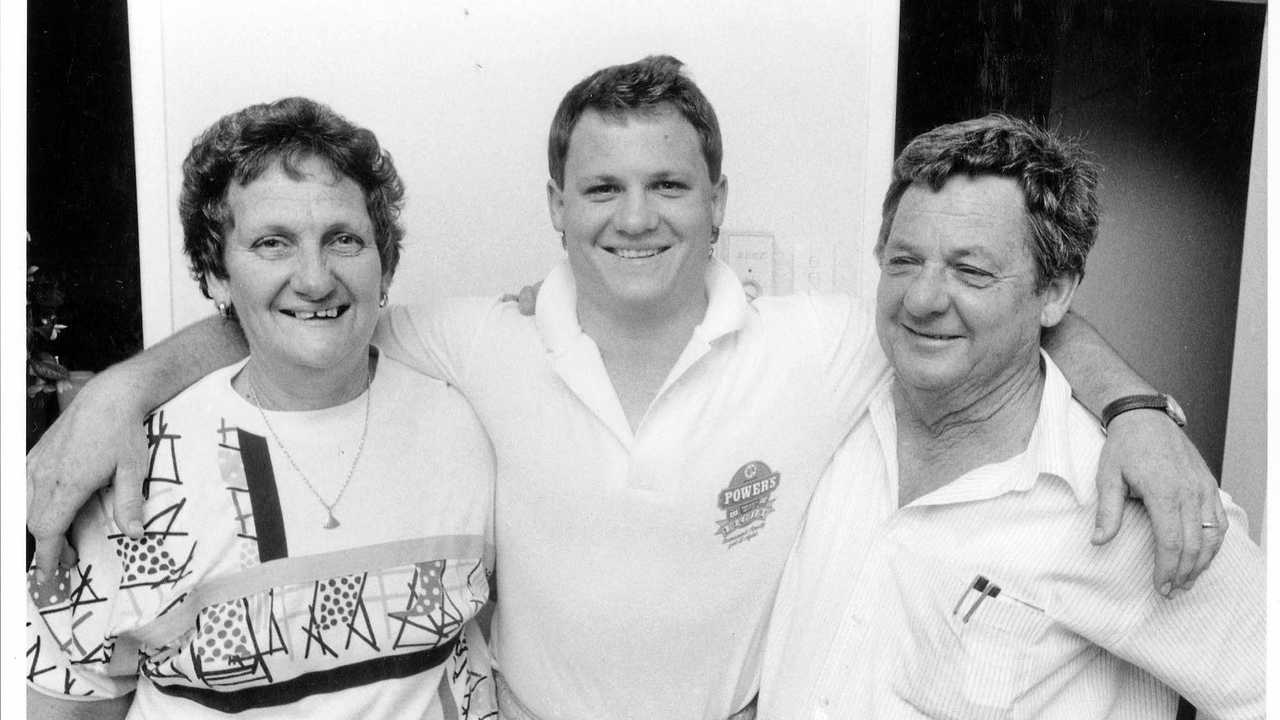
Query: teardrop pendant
x=332, y=522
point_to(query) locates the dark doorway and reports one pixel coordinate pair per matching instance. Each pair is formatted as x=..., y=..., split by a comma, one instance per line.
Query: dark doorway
x=81, y=197
x=1163, y=92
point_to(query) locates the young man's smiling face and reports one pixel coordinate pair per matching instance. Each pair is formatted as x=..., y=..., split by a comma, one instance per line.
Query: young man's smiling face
x=637, y=210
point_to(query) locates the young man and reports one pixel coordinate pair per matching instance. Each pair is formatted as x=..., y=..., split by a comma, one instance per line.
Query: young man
x=657, y=437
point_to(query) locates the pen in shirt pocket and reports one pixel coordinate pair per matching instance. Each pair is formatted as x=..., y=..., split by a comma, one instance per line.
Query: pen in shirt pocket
x=985, y=589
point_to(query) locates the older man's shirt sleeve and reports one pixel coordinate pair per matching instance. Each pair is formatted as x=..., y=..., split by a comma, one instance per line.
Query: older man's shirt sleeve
x=1207, y=644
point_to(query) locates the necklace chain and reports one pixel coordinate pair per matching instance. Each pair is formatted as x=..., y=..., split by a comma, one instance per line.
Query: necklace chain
x=332, y=521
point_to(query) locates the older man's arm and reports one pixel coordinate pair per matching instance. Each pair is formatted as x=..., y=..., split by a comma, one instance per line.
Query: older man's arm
x=1145, y=452
x=100, y=439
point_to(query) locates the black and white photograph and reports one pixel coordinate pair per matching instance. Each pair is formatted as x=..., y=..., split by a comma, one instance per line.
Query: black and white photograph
x=493, y=360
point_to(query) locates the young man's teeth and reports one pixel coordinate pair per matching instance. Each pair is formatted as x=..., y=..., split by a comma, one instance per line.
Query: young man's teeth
x=633, y=254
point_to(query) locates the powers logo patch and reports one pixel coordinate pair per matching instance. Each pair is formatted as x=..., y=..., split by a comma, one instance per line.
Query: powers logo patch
x=747, y=502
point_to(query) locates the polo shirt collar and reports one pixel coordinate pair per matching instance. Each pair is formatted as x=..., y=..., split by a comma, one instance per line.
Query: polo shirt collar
x=556, y=315
x=1048, y=453
x=575, y=357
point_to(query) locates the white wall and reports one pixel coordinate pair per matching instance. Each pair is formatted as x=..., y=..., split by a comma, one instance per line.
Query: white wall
x=462, y=93
x=1244, y=459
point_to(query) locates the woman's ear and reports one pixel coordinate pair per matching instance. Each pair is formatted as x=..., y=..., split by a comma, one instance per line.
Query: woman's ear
x=219, y=290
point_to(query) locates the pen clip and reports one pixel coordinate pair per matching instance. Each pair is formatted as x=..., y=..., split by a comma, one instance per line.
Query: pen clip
x=991, y=590
x=979, y=583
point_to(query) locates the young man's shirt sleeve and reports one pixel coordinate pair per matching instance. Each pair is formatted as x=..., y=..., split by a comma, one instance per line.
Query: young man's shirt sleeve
x=838, y=333
x=435, y=339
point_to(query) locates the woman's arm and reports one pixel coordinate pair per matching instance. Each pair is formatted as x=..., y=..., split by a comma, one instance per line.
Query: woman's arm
x=43, y=707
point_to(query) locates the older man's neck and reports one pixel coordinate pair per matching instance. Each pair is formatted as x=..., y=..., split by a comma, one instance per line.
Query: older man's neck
x=942, y=436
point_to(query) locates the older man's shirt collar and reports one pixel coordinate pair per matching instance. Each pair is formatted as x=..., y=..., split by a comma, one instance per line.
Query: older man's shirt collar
x=1049, y=454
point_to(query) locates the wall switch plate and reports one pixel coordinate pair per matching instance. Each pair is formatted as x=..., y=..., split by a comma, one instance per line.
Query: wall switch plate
x=751, y=255
x=814, y=266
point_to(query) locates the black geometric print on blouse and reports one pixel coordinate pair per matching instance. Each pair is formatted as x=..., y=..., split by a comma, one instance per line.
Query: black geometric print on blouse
x=231, y=469
x=162, y=556
x=268, y=519
x=163, y=464
x=471, y=681
x=478, y=574
x=226, y=434
x=430, y=616
x=70, y=685
x=227, y=651
x=66, y=600
x=343, y=677
x=338, y=615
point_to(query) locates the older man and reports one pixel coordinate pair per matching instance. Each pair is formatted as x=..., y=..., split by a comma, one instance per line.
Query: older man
x=972, y=594
x=657, y=437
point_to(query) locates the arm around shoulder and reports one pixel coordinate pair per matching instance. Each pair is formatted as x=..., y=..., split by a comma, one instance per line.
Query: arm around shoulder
x=438, y=340
x=100, y=436
x=1146, y=456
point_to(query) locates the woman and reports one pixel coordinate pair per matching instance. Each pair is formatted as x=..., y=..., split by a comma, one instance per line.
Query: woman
x=293, y=563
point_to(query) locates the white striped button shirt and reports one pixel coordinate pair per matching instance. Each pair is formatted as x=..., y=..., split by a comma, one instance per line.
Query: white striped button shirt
x=877, y=616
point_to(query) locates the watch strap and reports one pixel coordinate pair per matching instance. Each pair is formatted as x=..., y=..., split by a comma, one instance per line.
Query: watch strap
x=1141, y=402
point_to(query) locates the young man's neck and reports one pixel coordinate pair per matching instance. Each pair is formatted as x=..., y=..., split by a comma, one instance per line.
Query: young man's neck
x=639, y=346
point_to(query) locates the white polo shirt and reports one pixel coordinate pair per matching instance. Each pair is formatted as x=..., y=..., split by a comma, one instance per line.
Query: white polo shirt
x=635, y=571
x=877, y=617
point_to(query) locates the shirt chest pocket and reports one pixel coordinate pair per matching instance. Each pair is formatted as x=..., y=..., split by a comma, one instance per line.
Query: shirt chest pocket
x=967, y=653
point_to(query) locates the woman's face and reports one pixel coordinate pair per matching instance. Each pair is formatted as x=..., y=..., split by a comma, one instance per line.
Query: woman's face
x=303, y=271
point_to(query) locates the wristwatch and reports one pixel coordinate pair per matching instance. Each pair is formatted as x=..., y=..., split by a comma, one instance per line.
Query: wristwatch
x=1162, y=402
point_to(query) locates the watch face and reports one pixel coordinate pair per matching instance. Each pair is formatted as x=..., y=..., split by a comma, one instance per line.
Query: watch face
x=1175, y=410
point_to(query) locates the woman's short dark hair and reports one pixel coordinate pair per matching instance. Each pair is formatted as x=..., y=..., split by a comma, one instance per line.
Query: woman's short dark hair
x=1058, y=178
x=640, y=86
x=241, y=146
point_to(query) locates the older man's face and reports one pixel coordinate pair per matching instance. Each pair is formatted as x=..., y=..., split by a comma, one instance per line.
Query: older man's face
x=957, y=308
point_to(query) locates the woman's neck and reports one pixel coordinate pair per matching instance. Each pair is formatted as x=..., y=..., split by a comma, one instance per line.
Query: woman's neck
x=296, y=388
x=943, y=435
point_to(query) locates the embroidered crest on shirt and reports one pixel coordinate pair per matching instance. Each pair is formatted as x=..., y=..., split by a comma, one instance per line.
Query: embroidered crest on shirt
x=747, y=502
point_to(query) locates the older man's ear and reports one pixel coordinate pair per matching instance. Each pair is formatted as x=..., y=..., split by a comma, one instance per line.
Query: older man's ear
x=1057, y=299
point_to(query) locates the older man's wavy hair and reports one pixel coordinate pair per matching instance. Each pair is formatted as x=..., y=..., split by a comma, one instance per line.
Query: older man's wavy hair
x=1058, y=178
x=239, y=147
x=641, y=86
